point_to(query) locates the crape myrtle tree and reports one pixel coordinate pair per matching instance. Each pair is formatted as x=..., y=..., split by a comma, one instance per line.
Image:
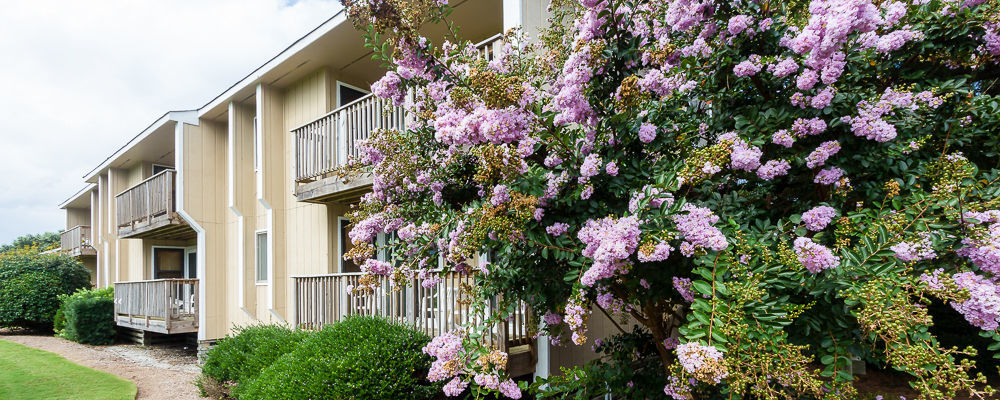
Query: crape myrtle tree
x=765, y=188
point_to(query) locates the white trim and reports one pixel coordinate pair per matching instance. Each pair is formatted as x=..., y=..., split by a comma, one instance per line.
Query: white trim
x=187, y=264
x=258, y=145
x=340, y=241
x=86, y=190
x=231, y=202
x=202, y=287
x=340, y=102
x=256, y=261
x=152, y=259
x=268, y=210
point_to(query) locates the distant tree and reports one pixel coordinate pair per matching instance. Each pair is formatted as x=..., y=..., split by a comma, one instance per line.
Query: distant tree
x=44, y=241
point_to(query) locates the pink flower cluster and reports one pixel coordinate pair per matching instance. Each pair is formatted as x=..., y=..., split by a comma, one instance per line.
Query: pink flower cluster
x=818, y=218
x=983, y=246
x=677, y=389
x=575, y=318
x=822, y=153
x=870, y=122
x=557, y=229
x=744, y=156
x=815, y=257
x=829, y=176
x=694, y=357
x=773, y=169
x=915, y=250
x=447, y=351
x=800, y=128
x=609, y=243
x=696, y=227
x=683, y=286
x=661, y=251
x=830, y=24
x=982, y=309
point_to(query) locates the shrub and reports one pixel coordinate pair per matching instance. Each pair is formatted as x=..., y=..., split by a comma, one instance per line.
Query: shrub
x=359, y=358
x=30, y=285
x=87, y=316
x=240, y=358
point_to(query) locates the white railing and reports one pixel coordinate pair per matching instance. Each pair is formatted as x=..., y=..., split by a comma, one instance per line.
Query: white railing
x=75, y=239
x=151, y=198
x=444, y=307
x=326, y=143
x=164, y=304
x=323, y=145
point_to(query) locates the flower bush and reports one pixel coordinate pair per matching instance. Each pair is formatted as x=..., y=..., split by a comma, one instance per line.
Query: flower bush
x=785, y=184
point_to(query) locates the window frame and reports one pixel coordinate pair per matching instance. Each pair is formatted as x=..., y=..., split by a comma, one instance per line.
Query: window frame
x=257, y=257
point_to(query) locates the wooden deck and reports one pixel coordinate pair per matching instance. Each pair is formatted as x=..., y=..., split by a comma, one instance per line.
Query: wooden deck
x=76, y=242
x=165, y=306
x=149, y=210
x=328, y=142
x=325, y=299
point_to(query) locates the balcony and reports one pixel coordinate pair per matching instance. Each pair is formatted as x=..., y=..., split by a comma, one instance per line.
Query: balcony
x=326, y=143
x=76, y=242
x=165, y=306
x=149, y=210
x=325, y=299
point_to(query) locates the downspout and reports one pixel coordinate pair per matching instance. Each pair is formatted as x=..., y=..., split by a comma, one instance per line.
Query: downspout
x=179, y=163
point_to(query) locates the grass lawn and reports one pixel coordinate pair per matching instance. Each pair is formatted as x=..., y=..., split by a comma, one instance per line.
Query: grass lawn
x=31, y=374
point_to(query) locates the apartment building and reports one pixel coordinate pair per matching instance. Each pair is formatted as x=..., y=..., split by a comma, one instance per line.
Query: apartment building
x=230, y=214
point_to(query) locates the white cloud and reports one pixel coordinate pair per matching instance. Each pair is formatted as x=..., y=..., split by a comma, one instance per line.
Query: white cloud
x=81, y=78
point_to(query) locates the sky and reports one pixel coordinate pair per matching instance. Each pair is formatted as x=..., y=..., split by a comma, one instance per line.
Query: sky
x=81, y=78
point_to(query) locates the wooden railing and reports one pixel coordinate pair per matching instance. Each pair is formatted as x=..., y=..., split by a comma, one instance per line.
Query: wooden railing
x=75, y=239
x=169, y=305
x=326, y=143
x=151, y=198
x=329, y=141
x=444, y=307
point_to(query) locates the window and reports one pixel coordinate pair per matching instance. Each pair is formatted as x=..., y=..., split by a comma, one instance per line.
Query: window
x=261, y=256
x=346, y=246
x=168, y=263
x=257, y=141
x=160, y=168
x=348, y=94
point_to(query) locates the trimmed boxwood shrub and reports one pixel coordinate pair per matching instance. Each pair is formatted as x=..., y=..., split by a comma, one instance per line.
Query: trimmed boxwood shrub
x=87, y=316
x=30, y=285
x=239, y=358
x=359, y=358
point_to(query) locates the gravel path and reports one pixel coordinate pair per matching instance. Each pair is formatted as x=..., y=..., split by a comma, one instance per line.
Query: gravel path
x=161, y=372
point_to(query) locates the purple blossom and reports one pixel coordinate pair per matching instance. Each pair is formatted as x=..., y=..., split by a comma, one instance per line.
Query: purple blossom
x=695, y=358
x=500, y=195
x=611, y=168
x=557, y=229
x=696, y=227
x=823, y=99
x=807, y=79
x=915, y=250
x=659, y=252
x=744, y=156
x=818, y=218
x=982, y=309
x=982, y=246
x=815, y=257
x=746, y=68
x=773, y=169
x=822, y=153
x=609, y=242
x=784, y=68
x=738, y=24
x=647, y=132
x=783, y=138
x=829, y=176
x=683, y=287
x=591, y=166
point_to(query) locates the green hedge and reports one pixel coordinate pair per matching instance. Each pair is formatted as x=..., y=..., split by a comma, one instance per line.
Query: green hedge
x=30, y=285
x=359, y=358
x=87, y=316
x=240, y=358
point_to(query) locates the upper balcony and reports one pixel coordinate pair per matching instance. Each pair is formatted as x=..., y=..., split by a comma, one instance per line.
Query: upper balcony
x=326, y=143
x=76, y=242
x=149, y=210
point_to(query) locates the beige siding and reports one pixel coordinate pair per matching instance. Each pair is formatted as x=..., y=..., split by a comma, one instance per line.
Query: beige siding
x=598, y=327
x=242, y=198
x=204, y=200
x=76, y=217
